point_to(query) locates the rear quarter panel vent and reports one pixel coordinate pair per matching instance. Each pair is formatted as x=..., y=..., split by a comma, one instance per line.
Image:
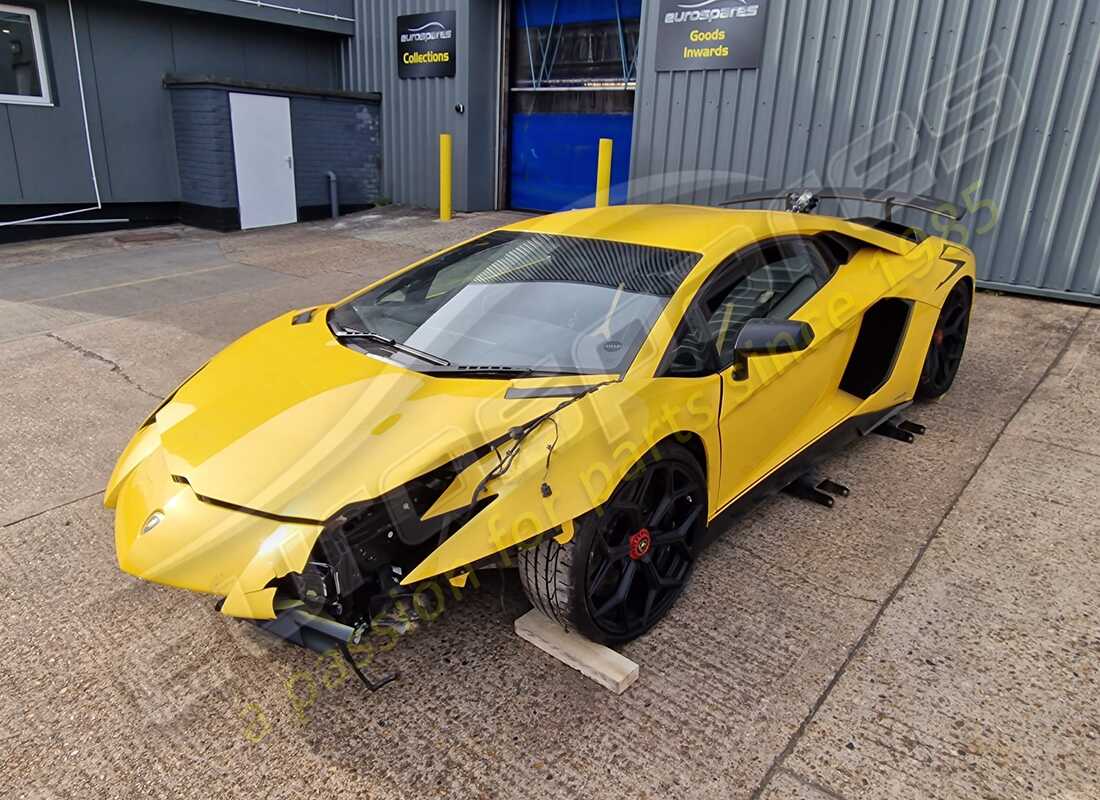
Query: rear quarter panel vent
x=881, y=333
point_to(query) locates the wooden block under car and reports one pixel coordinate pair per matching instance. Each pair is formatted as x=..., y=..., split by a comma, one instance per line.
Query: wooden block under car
x=606, y=667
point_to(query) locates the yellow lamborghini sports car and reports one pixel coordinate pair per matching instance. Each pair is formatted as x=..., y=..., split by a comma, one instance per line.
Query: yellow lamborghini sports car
x=584, y=395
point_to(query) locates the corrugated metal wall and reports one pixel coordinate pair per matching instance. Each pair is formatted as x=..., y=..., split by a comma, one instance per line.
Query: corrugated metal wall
x=416, y=111
x=989, y=103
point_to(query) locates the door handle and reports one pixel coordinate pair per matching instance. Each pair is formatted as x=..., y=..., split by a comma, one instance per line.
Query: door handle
x=290, y=162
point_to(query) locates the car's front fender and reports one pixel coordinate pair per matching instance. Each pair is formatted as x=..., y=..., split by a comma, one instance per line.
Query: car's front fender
x=595, y=443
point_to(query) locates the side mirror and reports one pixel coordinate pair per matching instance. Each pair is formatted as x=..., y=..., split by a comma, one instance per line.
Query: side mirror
x=768, y=337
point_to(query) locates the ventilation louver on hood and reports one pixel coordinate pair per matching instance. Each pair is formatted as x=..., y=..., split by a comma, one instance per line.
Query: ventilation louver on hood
x=303, y=317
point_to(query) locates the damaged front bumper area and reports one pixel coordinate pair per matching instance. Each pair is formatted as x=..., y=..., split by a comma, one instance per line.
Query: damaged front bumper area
x=322, y=635
x=343, y=577
x=350, y=588
x=355, y=569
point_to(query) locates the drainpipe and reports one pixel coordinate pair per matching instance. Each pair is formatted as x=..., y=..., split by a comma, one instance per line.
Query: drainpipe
x=333, y=196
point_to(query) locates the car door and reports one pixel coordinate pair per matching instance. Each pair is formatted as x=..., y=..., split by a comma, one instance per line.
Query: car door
x=781, y=402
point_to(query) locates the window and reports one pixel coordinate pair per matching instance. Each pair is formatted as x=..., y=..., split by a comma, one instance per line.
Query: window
x=772, y=281
x=574, y=44
x=22, y=66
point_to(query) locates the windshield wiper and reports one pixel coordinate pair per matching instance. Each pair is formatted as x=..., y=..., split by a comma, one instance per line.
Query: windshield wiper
x=393, y=344
x=494, y=371
x=481, y=372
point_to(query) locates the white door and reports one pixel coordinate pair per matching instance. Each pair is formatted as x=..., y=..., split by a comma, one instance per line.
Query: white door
x=264, y=156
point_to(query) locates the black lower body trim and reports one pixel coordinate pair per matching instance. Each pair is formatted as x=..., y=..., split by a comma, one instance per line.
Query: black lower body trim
x=839, y=437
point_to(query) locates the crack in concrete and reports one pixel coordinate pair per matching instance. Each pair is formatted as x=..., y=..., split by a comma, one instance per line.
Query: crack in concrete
x=810, y=784
x=802, y=578
x=48, y=510
x=1058, y=446
x=780, y=759
x=114, y=365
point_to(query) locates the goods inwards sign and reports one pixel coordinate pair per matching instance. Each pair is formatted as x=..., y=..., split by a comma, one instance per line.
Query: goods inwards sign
x=426, y=45
x=710, y=34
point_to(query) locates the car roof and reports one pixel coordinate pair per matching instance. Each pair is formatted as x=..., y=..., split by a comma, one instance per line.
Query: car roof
x=701, y=229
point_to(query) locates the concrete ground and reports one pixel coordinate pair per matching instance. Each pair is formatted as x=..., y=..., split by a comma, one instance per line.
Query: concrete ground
x=936, y=635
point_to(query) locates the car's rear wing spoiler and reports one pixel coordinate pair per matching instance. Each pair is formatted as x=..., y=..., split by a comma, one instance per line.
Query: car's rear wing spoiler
x=806, y=200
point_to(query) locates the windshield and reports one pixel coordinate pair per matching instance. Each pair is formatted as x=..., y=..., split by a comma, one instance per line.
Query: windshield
x=525, y=301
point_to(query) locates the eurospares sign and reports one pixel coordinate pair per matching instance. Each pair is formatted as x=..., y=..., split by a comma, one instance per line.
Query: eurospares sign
x=426, y=45
x=710, y=34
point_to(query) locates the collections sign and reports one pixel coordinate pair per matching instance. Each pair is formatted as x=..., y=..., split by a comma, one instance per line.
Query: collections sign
x=426, y=45
x=710, y=34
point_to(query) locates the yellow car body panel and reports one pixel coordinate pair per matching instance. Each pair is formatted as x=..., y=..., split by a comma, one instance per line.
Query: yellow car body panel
x=200, y=546
x=347, y=427
x=248, y=459
x=597, y=445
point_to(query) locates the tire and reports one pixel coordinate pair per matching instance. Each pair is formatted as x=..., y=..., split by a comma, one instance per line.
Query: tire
x=945, y=350
x=628, y=560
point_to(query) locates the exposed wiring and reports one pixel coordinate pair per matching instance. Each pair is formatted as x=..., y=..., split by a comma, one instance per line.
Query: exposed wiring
x=521, y=432
x=502, y=465
x=545, y=488
x=370, y=683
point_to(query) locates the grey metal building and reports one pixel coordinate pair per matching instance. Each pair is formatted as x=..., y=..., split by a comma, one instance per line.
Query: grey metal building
x=992, y=104
x=121, y=110
x=415, y=111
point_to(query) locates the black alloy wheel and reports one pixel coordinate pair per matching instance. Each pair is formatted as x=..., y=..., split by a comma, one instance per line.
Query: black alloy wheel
x=629, y=560
x=945, y=351
x=643, y=549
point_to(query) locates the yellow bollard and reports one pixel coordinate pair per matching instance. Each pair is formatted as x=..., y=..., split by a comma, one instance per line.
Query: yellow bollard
x=444, y=176
x=603, y=175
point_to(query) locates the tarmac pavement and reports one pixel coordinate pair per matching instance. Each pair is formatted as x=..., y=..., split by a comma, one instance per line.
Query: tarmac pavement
x=935, y=635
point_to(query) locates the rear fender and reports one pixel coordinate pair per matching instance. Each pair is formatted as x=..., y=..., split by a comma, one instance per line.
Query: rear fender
x=929, y=272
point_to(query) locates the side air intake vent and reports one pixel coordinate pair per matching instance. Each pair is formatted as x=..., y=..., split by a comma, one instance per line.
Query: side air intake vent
x=880, y=336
